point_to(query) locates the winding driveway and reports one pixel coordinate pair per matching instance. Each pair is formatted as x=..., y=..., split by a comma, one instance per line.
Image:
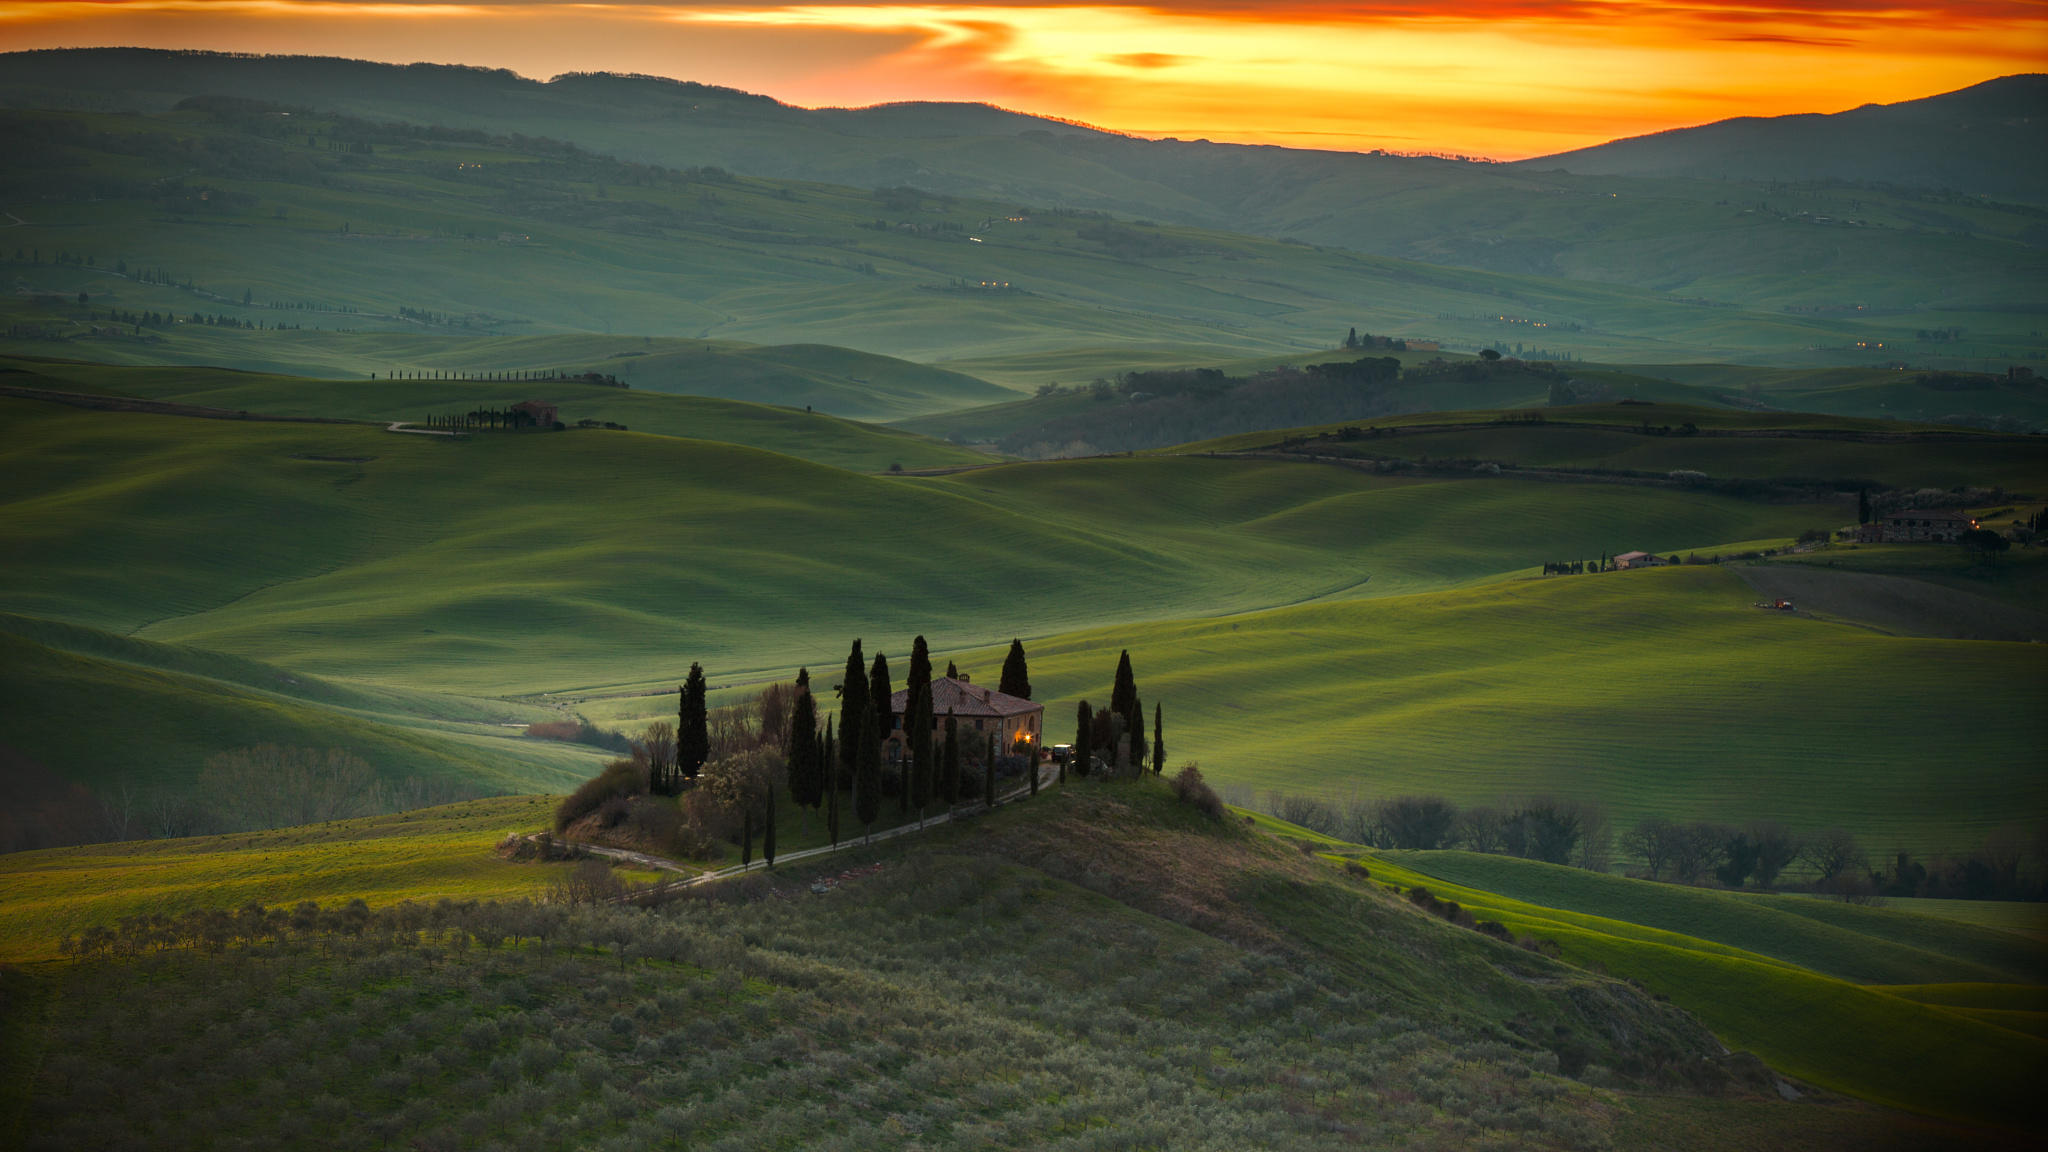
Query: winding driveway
x=1048, y=774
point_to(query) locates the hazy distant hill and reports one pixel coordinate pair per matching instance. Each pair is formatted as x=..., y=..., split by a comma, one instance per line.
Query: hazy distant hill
x=1990, y=139
x=1710, y=240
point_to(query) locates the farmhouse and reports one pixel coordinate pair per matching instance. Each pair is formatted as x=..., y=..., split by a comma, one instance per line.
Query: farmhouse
x=1639, y=560
x=541, y=413
x=978, y=710
x=1916, y=525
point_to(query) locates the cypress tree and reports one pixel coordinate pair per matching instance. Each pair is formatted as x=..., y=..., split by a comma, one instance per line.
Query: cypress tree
x=920, y=666
x=867, y=772
x=1123, y=697
x=747, y=837
x=693, y=733
x=768, y=831
x=988, y=757
x=1863, y=505
x=1158, y=742
x=1016, y=676
x=829, y=764
x=806, y=768
x=952, y=671
x=1135, y=725
x=947, y=772
x=1084, y=731
x=923, y=773
x=853, y=707
x=949, y=765
x=879, y=691
x=988, y=783
x=1031, y=767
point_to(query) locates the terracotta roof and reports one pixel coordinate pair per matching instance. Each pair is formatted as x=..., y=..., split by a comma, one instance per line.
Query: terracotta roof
x=1928, y=514
x=964, y=699
x=1633, y=556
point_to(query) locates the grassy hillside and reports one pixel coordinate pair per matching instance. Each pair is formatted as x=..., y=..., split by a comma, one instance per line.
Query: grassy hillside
x=107, y=738
x=1806, y=984
x=823, y=439
x=1985, y=394
x=1659, y=692
x=426, y=854
x=343, y=224
x=1651, y=440
x=1715, y=242
x=1132, y=973
x=1980, y=139
x=523, y=563
x=839, y=381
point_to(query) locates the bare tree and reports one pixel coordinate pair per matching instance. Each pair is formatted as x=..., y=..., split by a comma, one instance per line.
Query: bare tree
x=1776, y=847
x=1833, y=852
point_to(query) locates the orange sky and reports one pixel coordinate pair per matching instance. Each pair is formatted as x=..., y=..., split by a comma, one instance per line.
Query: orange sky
x=1503, y=78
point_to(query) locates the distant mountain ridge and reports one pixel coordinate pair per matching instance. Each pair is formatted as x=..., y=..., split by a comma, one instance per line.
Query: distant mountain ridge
x=1898, y=245
x=1989, y=139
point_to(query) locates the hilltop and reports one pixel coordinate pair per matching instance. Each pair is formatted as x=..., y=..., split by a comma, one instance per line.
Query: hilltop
x=1984, y=140
x=414, y=192
x=1129, y=967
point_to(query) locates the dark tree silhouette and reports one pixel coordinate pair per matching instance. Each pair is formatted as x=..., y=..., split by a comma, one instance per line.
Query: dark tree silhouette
x=853, y=706
x=1084, y=731
x=1016, y=679
x=693, y=735
x=806, y=766
x=1158, y=742
x=867, y=772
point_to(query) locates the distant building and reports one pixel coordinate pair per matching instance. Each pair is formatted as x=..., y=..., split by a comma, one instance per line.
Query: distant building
x=1927, y=525
x=542, y=413
x=977, y=710
x=1639, y=560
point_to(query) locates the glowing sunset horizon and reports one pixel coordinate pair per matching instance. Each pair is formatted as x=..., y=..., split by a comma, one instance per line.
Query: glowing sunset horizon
x=1499, y=78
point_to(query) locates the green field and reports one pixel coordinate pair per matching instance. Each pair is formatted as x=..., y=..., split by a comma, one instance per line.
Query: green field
x=486, y=239
x=349, y=551
x=389, y=563
x=426, y=854
x=1831, y=993
x=1845, y=453
x=1659, y=692
x=841, y=443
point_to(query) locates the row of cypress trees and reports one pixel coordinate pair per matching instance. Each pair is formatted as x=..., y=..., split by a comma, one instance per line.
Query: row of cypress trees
x=1125, y=716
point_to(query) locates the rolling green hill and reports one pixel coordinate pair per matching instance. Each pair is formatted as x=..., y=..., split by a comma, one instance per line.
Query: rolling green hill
x=1816, y=244
x=1652, y=440
x=1982, y=140
x=1877, y=393
x=1264, y=980
x=1828, y=992
x=216, y=208
x=1657, y=692
x=522, y=563
x=828, y=440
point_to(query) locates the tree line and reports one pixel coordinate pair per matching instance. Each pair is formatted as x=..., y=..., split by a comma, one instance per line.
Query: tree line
x=721, y=776
x=2008, y=866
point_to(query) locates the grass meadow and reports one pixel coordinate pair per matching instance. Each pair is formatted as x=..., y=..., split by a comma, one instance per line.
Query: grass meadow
x=1097, y=965
x=427, y=854
x=490, y=238
x=1915, y=1012
x=517, y=564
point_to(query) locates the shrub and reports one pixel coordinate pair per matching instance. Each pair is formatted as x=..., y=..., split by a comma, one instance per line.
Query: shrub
x=620, y=778
x=1189, y=788
x=1354, y=868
